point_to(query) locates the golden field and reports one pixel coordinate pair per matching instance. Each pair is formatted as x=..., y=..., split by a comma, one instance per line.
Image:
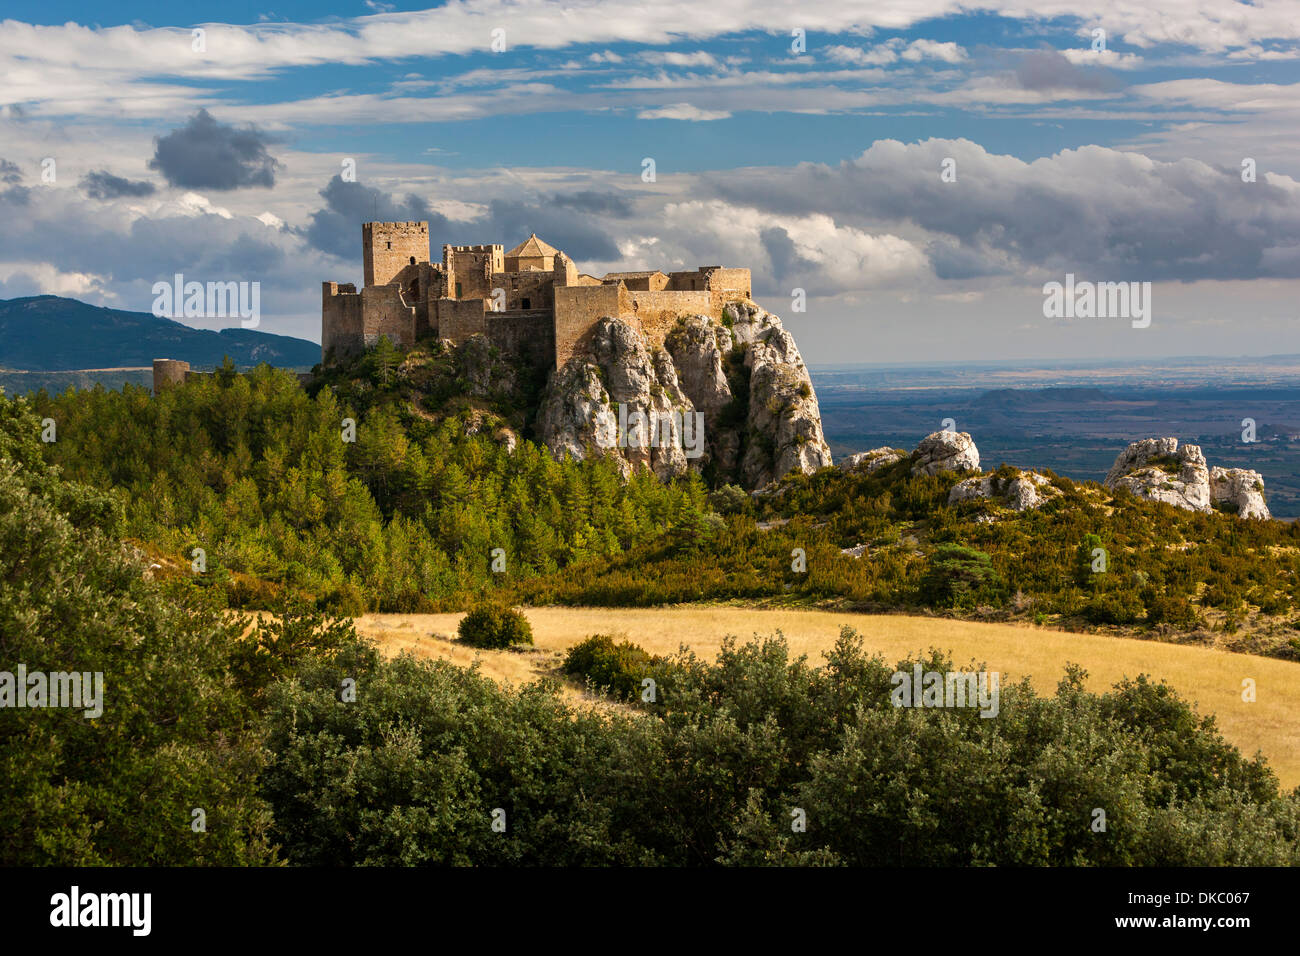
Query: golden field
x=1211, y=678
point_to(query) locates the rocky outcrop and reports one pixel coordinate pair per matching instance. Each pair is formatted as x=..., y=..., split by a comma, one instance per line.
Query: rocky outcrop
x=870, y=461
x=743, y=379
x=580, y=409
x=1158, y=469
x=1239, y=491
x=945, y=451
x=1023, y=492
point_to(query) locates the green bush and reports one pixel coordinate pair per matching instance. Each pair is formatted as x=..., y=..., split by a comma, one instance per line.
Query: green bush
x=410, y=773
x=618, y=667
x=959, y=576
x=1115, y=607
x=494, y=625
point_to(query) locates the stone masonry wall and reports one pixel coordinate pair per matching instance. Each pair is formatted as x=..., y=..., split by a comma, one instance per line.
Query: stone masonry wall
x=578, y=309
x=389, y=247
x=458, y=319
x=341, y=325
x=658, y=311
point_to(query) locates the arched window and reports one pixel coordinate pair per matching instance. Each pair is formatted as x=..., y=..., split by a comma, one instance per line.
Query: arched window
x=412, y=260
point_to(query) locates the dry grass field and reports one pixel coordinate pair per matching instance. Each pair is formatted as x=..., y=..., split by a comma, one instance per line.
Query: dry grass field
x=1210, y=678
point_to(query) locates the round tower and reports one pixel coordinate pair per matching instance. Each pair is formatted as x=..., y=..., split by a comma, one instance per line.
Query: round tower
x=168, y=372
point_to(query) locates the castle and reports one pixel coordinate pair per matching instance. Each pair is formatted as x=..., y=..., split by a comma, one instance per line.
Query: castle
x=531, y=301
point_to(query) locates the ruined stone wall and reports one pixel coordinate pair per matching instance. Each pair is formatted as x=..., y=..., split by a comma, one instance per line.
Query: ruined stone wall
x=578, y=309
x=341, y=324
x=458, y=319
x=535, y=287
x=168, y=373
x=654, y=282
x=730, y=280
x=728, y=285
x=694, y=281
x=470, y=270
x=384, y=312
x=658, y=311
x=526, y=335
x=389, y=247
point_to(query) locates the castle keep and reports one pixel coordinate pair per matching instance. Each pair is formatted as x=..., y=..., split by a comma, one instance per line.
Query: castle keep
x=532, y=300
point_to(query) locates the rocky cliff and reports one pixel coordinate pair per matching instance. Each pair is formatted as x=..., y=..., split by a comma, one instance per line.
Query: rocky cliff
x=731, y=398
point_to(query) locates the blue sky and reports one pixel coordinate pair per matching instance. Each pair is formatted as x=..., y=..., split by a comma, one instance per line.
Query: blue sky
x=819, y=169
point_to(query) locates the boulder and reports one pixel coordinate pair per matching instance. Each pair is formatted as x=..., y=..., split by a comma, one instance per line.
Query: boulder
x=1239, y=491
x=945, y=451
x=1025, y=491
x=1158, y=469
x=869, y=461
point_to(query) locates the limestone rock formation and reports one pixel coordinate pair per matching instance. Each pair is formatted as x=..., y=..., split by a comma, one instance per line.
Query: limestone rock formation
x=580, y=407
x=483, y=372
x=744, y=376
x=1240, y=491
x=945, y=451
x=870, y=461
x=1025, y=491
x=1159, y=470
x=784, y=422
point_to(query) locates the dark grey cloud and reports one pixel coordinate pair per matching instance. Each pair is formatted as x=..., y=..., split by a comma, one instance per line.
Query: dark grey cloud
x=11, y=176
x=336, y=229
x=780, y=249
x=951, y=260
x=1107, y=213
x=1050, y=70
x=208, y=154
x=570, y=226
x=576, y=232
x=603, y=203
x=101, y=184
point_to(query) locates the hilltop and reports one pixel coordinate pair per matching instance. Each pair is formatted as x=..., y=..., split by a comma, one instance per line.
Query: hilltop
x=48, y=333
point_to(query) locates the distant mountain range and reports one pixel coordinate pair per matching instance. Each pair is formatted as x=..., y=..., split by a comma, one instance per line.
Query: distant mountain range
x=48, y=333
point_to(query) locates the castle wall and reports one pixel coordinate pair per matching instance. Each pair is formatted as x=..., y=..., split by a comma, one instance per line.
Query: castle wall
x=384, y=312
x=530, y=335
x=658, y=311
x=728, y=285
x=548, y=312
x=536, y=287
x=389, y=247
x=470, y=270
x=694, y=281
x=458, y=319
x=341, y=324
x=647, y=282
x=577, y=310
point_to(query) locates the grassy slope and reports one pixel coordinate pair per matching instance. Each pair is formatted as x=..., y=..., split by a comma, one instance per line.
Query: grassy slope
x=1212, y=679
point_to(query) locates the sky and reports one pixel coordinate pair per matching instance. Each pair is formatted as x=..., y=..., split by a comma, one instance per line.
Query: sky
x=902, y=178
